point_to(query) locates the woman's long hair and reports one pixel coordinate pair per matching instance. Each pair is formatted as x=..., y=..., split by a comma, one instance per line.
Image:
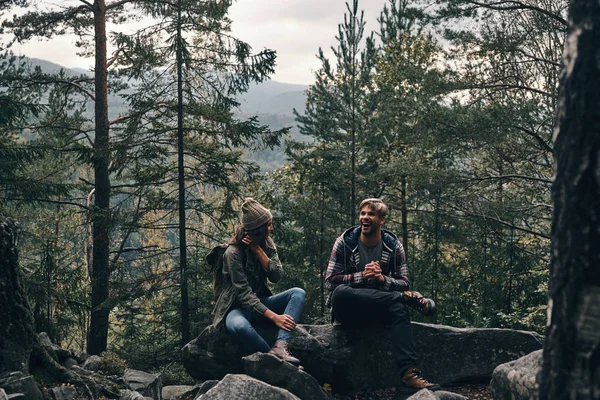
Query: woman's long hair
x=258, y=235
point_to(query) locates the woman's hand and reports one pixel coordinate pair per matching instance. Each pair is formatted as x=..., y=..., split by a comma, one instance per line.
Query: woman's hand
x=255, y=247
x=283, y=321
x=247, y=240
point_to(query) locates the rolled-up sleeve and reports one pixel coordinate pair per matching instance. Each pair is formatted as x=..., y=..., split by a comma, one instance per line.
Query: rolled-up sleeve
x=274, y=269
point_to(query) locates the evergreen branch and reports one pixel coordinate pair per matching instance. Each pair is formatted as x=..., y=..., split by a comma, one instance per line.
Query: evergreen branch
x=508, y=224
x=537, y=137
x=90, y=5
x=524, y=177
x=538, y=59
x=503, y=5
x=119, y=119
x=118, y=4
x=509, y=86
x=60, y=202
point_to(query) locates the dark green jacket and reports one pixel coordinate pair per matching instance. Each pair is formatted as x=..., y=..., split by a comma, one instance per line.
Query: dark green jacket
x=245, y=280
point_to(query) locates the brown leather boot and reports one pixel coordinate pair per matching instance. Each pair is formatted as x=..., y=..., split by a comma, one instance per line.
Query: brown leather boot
x=422, y=304
x=280, y=349
x=413, y=381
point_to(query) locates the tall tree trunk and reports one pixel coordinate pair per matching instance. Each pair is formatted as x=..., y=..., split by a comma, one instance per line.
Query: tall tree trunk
x=16, y=329
x=404, y=212
x=322, y=260
x=571, y=368
x=185, y=307
x=98, y=334
x=436, y=254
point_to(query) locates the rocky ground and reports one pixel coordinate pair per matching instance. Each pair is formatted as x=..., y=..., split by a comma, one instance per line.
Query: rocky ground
x=478, y=391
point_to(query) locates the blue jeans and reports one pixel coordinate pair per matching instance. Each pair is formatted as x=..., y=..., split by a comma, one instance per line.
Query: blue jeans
x=239, y=321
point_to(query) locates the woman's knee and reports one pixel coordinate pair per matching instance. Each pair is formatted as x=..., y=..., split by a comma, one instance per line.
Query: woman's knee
x=236, y=323
x=298, y=293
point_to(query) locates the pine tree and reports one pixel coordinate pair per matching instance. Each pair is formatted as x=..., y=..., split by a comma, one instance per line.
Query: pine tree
x=570, y=367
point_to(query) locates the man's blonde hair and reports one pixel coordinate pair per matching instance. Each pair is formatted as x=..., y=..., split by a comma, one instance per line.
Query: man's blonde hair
x=377, y=205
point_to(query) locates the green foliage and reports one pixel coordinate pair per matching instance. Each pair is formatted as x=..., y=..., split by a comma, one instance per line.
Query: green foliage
x=174, y=374
x=112, y=364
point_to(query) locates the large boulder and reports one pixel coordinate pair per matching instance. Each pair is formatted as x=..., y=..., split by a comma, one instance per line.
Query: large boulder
x=92, y=363
x=18, y=382
x=429, y=395
x=174, y=392
x=243, y=387
x=147, y=384
x=343, y=358
x=516, y=380
x=274, y=371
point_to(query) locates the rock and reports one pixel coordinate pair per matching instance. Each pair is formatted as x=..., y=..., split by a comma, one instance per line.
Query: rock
x=59, y=354
x=420, y=395
x=516, y=380
x=17, y=396
x=175, y=391
x=342, y=358
x=243, y=387
x=17, y=382
x=79, y=356
x=3, y=395
x=147, y=384
x=206, y=386
x=443, y=395
x=44, y=340
x=130, y=395
x=81, y=371
x=92, y=363
x=429, y=395
x=274, y=371
x=64, y=393
x=69, y=362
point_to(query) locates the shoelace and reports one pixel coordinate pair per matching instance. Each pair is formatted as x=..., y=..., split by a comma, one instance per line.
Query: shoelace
x=418, y=375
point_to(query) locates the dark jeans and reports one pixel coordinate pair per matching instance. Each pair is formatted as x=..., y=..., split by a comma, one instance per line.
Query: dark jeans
x=239, y=321
x=360, y=306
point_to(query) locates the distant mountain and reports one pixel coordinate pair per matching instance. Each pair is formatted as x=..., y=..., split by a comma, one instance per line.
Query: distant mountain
x=269, y=97
x=52, y=68
x=273, y=102
x=272, y=97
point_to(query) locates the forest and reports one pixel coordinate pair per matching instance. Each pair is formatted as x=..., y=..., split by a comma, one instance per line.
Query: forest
x=445, y=111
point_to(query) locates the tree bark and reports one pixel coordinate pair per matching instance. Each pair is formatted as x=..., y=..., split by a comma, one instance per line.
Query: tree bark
x=98, y=333
x=16, y=321
x=571, y=367
x=183, y=283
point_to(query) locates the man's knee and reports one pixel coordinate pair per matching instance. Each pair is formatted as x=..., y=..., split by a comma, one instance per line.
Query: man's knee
x=340, y=295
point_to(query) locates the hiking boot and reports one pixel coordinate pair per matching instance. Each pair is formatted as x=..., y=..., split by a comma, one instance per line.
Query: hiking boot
x=413, y=381
x=280, y=350
x=422, y=304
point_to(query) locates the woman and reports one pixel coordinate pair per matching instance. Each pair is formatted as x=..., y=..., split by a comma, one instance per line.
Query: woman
x=245, y=299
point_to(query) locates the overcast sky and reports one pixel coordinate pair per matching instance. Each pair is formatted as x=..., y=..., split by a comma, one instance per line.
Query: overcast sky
x=294, y=28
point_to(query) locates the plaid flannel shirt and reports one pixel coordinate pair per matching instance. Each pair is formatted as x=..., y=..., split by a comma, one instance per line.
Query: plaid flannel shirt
x=343, y=267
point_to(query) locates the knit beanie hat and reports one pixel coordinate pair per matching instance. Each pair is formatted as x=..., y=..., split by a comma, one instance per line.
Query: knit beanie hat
x=254, y=214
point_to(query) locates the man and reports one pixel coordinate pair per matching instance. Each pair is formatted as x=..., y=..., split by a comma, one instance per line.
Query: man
x=367, y=277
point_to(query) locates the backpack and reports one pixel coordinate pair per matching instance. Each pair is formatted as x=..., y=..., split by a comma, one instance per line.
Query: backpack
x=215, y=260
